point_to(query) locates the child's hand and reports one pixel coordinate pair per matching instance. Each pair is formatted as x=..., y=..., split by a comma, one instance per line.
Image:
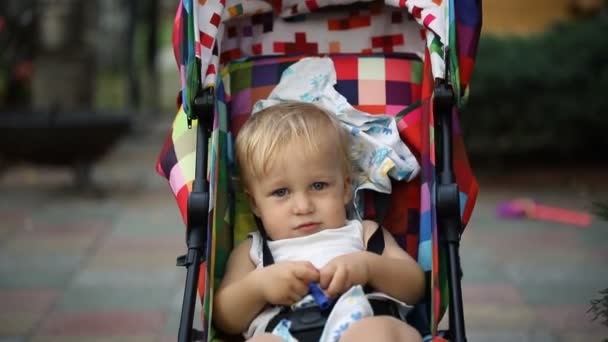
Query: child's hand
x=285, y=283
x=343, y=272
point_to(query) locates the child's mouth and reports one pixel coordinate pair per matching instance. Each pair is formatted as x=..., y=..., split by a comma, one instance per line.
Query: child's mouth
x=308, y=227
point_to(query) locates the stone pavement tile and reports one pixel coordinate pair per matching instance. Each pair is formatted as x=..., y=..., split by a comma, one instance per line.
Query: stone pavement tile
x=136, y=253
x=83, y=299
x=540, y=256
x=18, y=323
x=35, y=261
x=529, y=240
x=478, y=266
x=107, y=323
x=11, y=221
x=132, y=260
x=37, y=270
x=565, y=318
x=142, y=244
x=21, y=309
x=135, y=279
x=69, y=206
x=178, y=296
x=6, y=230
x=595, y=235
x=36, y=223
x=37, y=276
x=557, y=284
x=12, y=339
x=52, y=243
x=584, y=336
x=171, y=326
x=159, y=198
x=498, y=294
x=511, y=335
x=99, y=338
x=492, y=317
x=24, y=300
x=135, y=225
x=174, y=314
x=596, y=254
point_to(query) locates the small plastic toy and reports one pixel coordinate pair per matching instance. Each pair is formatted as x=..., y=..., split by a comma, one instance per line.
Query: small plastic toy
x=319, y=296
x=525, y=207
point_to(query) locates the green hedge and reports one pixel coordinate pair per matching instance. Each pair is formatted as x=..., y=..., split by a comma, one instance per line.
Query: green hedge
x=541, y=98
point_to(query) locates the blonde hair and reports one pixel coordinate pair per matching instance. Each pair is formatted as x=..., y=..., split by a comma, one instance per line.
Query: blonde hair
x=269, y=132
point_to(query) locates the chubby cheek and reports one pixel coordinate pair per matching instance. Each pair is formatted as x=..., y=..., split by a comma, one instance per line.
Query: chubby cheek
x=335, y=213
x=274, y=221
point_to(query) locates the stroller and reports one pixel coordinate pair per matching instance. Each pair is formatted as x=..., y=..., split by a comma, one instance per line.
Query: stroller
x=409, y=59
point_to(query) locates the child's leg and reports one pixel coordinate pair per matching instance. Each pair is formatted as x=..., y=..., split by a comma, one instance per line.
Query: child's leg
x=265, y=338
x=380, y=328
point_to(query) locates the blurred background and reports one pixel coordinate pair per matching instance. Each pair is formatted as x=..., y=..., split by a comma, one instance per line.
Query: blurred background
x=89, y=232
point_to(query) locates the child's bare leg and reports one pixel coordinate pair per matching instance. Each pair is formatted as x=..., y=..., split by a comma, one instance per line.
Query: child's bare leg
x=380, y=328
x=265, y=338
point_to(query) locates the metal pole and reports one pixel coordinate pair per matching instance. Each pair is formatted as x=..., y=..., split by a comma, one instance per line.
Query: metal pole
x=448, y=205
x=198, y=209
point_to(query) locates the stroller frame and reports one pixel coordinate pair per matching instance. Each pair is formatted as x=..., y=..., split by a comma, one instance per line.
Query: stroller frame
x=449, y=222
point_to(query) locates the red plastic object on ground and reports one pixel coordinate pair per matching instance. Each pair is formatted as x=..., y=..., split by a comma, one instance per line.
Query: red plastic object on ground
x=529, y=208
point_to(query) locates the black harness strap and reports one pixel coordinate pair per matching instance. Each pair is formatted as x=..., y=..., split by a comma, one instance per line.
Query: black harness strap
x=375, y=243
x=267, y=258
x=381, y=204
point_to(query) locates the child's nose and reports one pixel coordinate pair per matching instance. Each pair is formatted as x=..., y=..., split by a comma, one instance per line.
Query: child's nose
x=302, y=204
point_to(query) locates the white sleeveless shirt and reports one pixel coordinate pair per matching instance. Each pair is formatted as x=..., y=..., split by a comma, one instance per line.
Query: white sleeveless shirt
x=318, y=248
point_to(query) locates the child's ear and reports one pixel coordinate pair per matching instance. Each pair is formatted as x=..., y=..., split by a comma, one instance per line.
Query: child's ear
x=348, y=189
x=252, y=204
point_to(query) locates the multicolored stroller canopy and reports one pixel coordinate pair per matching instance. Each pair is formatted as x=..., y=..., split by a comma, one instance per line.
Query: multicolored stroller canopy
x=387, y=55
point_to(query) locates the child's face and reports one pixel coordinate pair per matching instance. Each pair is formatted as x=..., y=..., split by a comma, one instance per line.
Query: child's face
x=302, y=193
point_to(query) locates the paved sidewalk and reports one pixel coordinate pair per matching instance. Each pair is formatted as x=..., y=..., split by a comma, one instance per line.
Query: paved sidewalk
x=79, y=267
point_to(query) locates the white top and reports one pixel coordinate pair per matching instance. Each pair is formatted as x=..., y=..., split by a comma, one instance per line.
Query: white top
x=318, y=248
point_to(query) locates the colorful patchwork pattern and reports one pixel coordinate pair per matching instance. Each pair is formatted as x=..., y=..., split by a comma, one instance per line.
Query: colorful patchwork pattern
x=199, y=33
x=381, y=30
x=219, y=32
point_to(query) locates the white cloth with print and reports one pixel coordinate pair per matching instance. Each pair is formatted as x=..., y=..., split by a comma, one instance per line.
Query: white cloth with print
x=378, y=151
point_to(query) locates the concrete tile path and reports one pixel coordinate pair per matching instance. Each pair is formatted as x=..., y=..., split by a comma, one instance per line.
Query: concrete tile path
x=85, y=267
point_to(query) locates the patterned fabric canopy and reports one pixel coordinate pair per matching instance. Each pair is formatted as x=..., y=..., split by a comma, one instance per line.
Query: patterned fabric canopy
x=451, y=32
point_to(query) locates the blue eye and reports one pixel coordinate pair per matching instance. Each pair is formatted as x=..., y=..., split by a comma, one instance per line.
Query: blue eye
x=319, y=185
x=279, y=192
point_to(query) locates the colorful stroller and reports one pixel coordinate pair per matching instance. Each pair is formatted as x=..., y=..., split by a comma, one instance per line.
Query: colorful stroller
x=411, y=59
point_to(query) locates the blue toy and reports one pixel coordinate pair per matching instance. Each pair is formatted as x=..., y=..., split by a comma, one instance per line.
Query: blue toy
x=320, y=297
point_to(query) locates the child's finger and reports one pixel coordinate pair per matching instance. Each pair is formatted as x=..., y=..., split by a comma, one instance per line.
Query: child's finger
x=326, y=275
x=311, y=267
x=306, y=274
x=335, y=287
x=294, y=298
x=300, y=288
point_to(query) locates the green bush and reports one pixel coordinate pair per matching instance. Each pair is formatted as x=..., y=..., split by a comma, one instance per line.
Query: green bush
x=540, y=98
